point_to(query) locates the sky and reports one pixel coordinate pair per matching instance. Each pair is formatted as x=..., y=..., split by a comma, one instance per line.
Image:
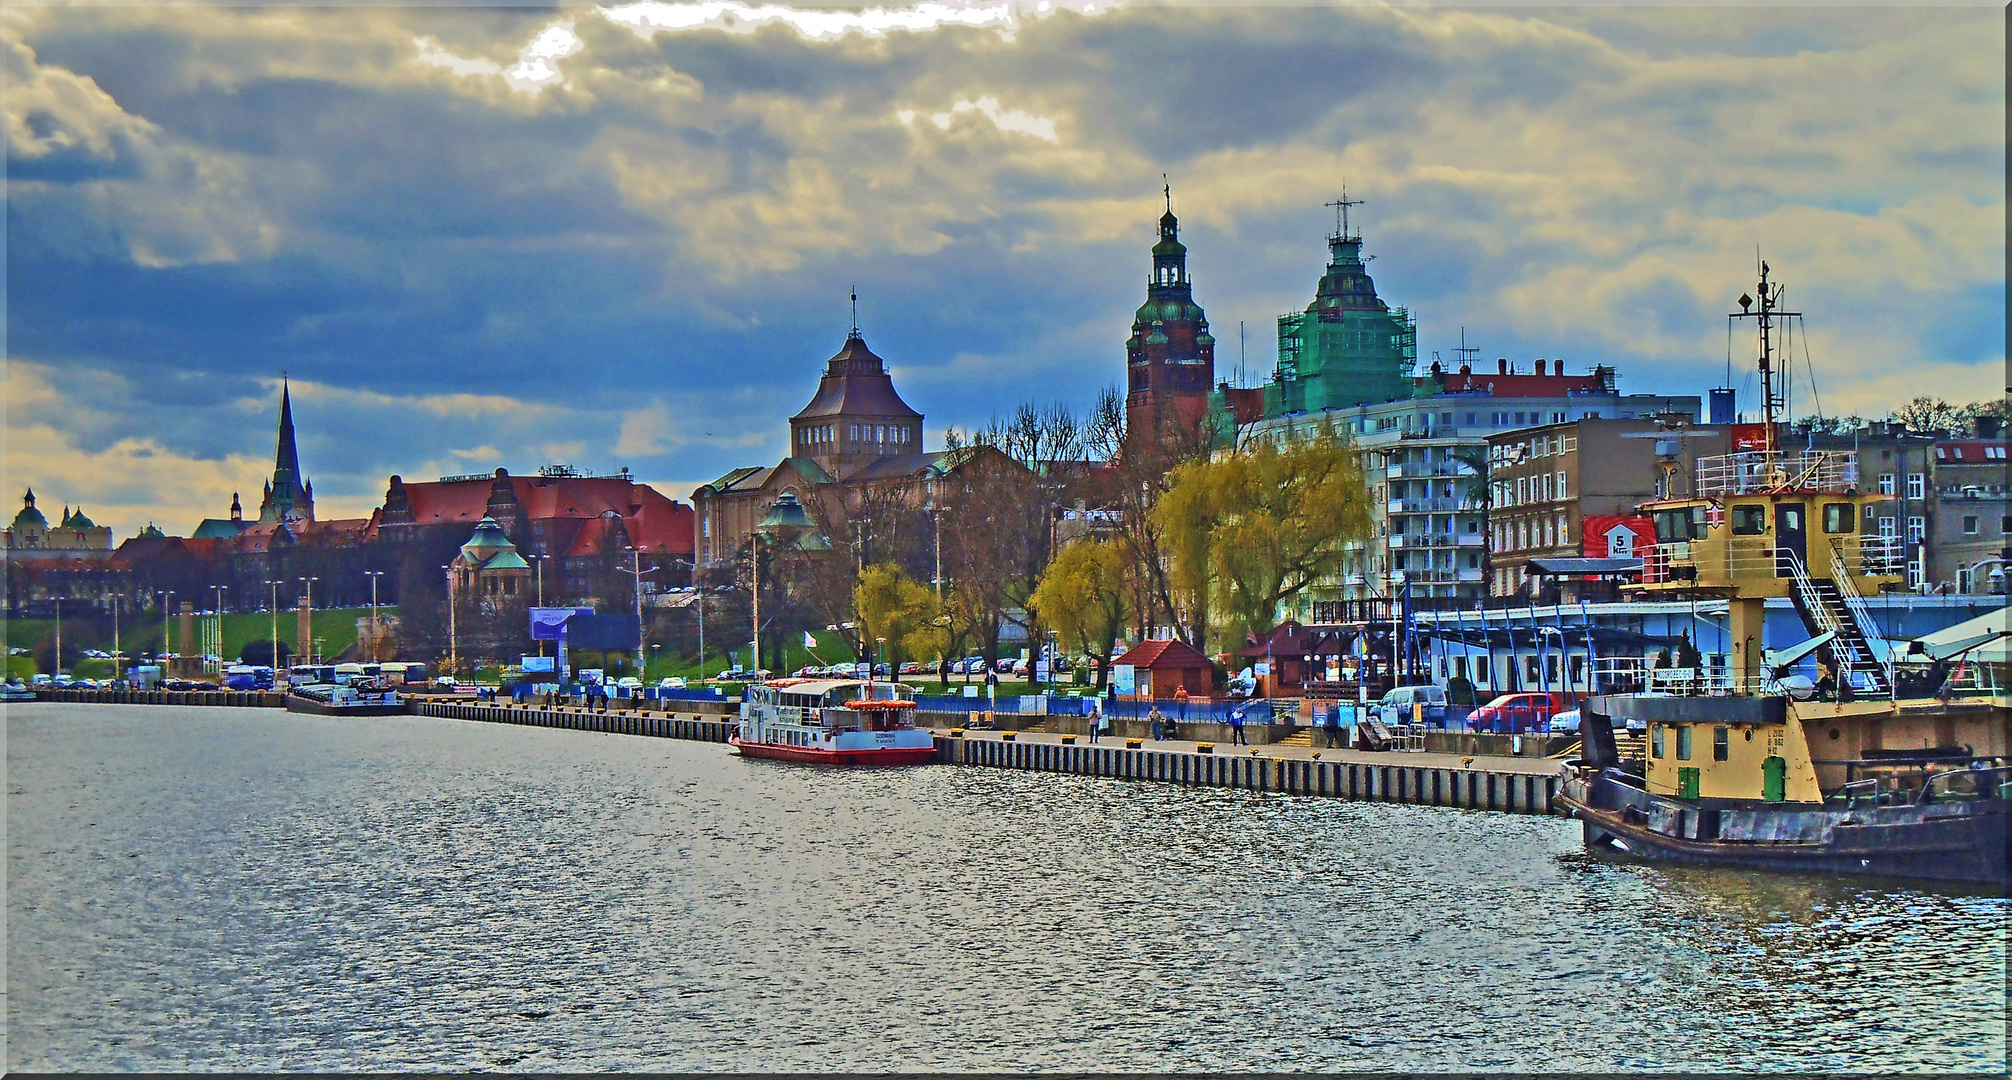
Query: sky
x=474, y=237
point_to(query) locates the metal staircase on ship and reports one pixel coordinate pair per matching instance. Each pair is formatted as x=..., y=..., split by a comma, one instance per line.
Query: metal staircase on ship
x=1833, y=605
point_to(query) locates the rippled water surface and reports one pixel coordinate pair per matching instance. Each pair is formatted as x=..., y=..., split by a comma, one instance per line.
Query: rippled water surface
x=248, y=889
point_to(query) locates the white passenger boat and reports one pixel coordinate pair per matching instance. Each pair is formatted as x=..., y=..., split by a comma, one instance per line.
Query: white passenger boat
x=832, y=722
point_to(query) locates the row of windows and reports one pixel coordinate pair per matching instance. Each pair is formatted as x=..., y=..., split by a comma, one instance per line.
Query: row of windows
x=1721, y=741
x=1532, y=533
x=860, y=434
x=1528, y=489
x=1917, y=484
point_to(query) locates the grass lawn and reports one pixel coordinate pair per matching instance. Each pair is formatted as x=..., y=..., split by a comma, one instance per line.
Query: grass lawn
x=336, y=627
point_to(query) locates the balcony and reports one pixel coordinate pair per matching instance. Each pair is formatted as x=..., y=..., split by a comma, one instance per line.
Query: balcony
x=1435, y=505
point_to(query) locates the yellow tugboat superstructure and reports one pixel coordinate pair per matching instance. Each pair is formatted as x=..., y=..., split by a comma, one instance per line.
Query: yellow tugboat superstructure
x=1847, y=773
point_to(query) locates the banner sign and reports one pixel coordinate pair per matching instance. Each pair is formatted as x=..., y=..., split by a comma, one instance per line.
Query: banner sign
x=540, y=663
x=549, y=623
x=1616, y=536
x=1123, y=679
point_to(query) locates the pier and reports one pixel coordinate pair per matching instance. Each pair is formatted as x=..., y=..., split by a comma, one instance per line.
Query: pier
x=1502, y=784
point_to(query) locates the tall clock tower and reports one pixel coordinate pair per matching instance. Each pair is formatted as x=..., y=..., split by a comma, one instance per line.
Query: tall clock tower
x=1170, y=359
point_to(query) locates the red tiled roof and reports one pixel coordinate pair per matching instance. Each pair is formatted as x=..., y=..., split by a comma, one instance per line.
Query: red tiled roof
x=654, y=522
x=1171, y=653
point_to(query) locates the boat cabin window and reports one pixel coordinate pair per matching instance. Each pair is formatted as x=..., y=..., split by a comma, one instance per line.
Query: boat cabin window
x=1721, y=742
x=1749, y=520
x=1839, y=518
x=1679, y=525
x=1655, y=740
x=1683, y=742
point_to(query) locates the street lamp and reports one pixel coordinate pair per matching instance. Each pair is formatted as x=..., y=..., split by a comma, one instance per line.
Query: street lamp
x=785, y=521
x=273, y=652
x=453, y=637
x=217, y=637
x=376, y=633
x=636, y=571
x=166, y=595
x=306, y=643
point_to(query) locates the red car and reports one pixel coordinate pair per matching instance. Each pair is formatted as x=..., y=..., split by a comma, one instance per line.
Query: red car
x=1512, y=714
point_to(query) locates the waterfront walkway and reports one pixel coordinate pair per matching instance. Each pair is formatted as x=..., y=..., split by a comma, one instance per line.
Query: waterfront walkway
x=1522, y=766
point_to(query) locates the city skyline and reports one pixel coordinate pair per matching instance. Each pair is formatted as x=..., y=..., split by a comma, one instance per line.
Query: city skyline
x=626, y=235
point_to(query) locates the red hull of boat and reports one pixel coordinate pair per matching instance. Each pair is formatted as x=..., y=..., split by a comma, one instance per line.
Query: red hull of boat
x=919, y=755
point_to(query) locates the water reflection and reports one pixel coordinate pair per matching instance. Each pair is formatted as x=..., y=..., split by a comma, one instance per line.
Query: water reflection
x=196, y=889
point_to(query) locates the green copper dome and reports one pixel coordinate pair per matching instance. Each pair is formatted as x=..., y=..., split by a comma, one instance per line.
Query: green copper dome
x=29, y=515
x=77, y=520
x=486, y=542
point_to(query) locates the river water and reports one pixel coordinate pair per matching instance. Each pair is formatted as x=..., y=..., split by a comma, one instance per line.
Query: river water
x=195, y=889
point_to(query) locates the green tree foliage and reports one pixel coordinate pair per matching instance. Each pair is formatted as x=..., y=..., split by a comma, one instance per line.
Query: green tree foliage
x=1255, y=527
x=897, y=608
x=1083, y=596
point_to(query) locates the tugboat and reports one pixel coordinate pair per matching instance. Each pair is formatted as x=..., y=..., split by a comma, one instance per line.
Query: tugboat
x=1887, y=778
x=832, y=722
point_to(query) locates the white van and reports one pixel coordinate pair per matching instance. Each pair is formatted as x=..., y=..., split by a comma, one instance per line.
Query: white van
x=1395, y=708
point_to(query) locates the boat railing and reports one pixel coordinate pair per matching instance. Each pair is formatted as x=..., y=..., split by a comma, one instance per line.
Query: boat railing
x=1756, y=471
x=1878, y=556
x=1871, y=793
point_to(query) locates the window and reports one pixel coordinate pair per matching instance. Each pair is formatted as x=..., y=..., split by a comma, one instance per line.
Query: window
x=1886, y=483
x=1655, y=740
x=1838, y=518
x=1916, y=483
x=1889, y=527
x=1749, y=520
x=1970, y=525
x=1721, y=742
x=1683, y=742
x=1561, y=484
x=1917, y=527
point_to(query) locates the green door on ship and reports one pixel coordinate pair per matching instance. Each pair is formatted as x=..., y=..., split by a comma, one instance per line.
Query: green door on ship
x=1774, y=779
x=1687, y=783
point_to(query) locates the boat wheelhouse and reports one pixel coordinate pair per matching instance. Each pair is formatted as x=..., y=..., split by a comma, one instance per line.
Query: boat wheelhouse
x=832, y=722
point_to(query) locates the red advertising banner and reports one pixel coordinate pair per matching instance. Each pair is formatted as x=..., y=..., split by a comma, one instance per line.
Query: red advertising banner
x=1748, y=437
x=1613, y=536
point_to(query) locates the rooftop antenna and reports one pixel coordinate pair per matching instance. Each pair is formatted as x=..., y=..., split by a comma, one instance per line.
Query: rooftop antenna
x=1341, y=206
x=1167, y=189
x=1769, y=302
x=855, y=311
x=1466, y=352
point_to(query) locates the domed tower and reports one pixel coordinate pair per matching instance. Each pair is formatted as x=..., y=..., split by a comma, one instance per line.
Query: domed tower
x=856, y=417
x=1170, y=359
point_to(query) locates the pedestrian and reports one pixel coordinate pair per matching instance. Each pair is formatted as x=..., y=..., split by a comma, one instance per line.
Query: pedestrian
x=1096, y=723
x=1237, y=728
x=1333, y=724
x=1155, y=721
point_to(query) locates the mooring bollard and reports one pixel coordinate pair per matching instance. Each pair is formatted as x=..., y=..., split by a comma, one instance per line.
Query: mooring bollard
x=1200, y=748
x=1134, y=744
x=1008, y=736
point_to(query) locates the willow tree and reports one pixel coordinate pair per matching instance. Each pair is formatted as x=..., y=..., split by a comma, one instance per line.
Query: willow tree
x=1082, y=595
x=1253, y=528
x=894, y=608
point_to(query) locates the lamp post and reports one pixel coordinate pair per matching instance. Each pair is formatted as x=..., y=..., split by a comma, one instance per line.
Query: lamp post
x=218, y=637
x=166, y=595
x=59, y=636
x=376, y=633
x=453, y=636
x=541, y=557
x=117, y=602
x=636, y=571
x=273, y=653
x=306, y=635
x=785, y=521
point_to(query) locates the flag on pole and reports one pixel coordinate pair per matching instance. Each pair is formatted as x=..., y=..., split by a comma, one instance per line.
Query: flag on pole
x=808, y=641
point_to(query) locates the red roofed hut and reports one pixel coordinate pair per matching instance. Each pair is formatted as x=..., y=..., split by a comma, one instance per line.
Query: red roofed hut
x=1166, y=669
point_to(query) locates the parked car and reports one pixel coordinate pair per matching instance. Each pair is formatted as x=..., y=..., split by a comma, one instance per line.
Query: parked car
x=1511, y=714
x=1395, y=706
x=674, y=682
x=629, y=682
x=1565, y=723
x=911, y=668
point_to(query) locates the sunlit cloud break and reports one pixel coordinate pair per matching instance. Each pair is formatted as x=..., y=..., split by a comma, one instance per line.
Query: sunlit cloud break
x=1013, y=120
x=815, y=24
x=536, y=67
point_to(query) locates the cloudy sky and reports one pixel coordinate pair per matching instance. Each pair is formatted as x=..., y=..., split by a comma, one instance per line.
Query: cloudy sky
x=625, y=235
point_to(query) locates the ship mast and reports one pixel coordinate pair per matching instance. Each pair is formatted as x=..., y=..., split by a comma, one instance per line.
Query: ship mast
x=1770, y=310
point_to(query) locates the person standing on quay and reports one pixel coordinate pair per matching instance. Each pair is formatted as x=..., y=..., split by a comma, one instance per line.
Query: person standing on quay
x=1096, y=723
x=1156, y=722
x=1237, y=728
x=1333, y=724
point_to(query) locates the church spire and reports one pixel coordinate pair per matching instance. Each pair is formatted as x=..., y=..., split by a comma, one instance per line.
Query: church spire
x=286, y=497
x=286, y=462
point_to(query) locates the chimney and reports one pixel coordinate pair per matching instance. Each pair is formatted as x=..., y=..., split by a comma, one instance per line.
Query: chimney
x=1502, y=363
x=1540, y=365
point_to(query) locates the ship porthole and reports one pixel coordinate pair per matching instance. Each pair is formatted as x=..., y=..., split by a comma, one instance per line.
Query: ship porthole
x=1749, y=733
x=1833, y=733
